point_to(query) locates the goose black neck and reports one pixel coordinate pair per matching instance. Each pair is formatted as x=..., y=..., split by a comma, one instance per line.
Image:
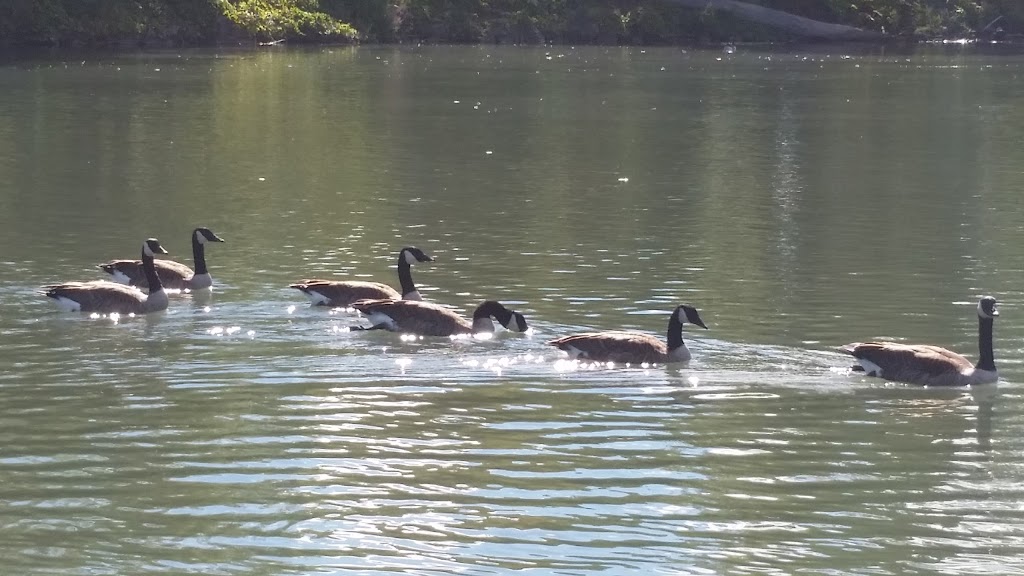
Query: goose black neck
x=675, y=332
x=491, y=308
x=986, y=360
x=405, y=275
x=199, y=255
x=150, y=270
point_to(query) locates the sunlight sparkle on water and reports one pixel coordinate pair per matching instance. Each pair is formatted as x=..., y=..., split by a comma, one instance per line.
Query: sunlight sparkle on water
x=290, y=309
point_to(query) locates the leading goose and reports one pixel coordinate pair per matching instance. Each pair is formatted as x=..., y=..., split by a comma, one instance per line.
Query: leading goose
x=633, y=347
x=342, y=293
x=930, y=365
x=173, y=275
x=426, y=319
x=108, y=297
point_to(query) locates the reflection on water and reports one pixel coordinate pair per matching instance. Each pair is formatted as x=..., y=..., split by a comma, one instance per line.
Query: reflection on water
x=799, y=201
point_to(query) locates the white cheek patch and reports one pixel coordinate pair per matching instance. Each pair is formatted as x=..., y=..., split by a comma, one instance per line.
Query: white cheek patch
x=200, y=238
x=518, y=323
x=409, y=258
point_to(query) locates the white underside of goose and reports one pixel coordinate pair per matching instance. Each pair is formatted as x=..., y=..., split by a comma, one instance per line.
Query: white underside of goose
x=200, y=281
x=316, y=298
x=870, y=368
x=379, y=319
x=67, y=304
x=119, y=277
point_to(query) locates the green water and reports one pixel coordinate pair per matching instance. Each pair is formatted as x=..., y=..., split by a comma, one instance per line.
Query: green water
x=800, y=200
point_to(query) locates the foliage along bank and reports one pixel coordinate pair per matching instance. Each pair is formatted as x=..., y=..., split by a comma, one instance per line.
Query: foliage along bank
x=194, y=22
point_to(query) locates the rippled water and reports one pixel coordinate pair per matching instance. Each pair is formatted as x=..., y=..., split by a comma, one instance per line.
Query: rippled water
x=800, y=201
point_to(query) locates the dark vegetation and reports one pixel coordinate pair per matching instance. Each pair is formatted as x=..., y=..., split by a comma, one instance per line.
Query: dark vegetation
x=192, y=22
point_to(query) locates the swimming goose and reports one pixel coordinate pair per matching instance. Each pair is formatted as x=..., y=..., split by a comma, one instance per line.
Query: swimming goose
x=343, y=293
x=427, y=319
x=173, y=275
x=930, y=365
x=633, y=347
x=110, y=297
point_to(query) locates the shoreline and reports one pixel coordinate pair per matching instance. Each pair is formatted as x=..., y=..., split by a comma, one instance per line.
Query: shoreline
x=14, y=52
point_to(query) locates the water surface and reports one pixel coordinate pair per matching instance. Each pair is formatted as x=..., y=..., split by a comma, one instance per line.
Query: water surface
x=800, y=200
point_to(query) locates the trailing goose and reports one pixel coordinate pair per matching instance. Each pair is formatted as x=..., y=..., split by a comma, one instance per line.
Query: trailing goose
x=426, y=319
x=342, y=293
x=173, y=275
x=108, y=297
x=633, y=347
x=930, y=365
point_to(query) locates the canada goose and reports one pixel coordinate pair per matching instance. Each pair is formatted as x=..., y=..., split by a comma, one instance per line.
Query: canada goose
x=633, y=347
x=426, y=319
x=343, y=293
x=110, y=297
x=930, y=365
x=173, y=275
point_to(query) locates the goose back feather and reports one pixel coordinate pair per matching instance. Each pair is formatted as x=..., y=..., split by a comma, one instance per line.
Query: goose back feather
x=929, y=365
x=427, y=319
x=342, y=293
x=107, y=297
x=633, y=347
x=173, y=275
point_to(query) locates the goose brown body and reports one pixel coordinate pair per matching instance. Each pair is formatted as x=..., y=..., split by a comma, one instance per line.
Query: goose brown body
x=173, y=275
x=633, y=347
x=615, y=346
x=342, y=293
x=929, y=365
x=108, y=297
x=427, y=319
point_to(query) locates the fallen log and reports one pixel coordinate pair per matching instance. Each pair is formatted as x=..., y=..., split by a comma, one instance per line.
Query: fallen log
x=791, y=23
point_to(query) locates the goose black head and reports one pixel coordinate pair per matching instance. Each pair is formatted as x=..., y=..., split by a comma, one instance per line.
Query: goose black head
x=987, y=307
x=412, y=255
x=689, y=314
x=510, y=319
x=516, y=322
x=204, y=235
x=152, y=246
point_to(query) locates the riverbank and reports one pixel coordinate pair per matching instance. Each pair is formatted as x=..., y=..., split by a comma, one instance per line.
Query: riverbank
x=180, y=23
